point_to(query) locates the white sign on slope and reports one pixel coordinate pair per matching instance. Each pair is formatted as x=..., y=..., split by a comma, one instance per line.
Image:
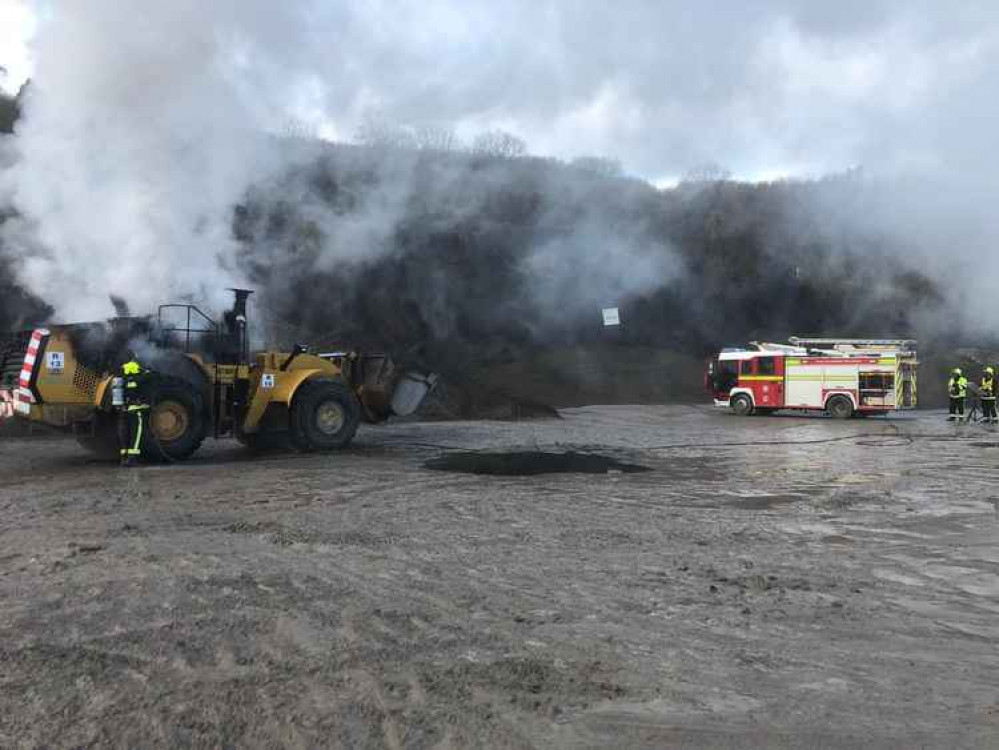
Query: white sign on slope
x=611, y=316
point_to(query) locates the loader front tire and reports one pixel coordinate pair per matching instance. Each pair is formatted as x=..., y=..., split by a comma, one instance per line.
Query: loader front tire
x=324, y=415
x=176, y=421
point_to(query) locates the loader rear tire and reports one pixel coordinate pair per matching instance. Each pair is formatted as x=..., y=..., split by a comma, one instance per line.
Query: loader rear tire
x=176, y=421
x=324, y=415
x=839, y=407
x=742, y=405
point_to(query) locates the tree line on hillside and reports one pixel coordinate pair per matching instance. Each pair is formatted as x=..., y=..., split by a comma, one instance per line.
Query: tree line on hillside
x=10, y=108
x=494, y=252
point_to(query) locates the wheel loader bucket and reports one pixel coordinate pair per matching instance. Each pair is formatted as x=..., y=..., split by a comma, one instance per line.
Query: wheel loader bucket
x=383, y=389
x=410, y=391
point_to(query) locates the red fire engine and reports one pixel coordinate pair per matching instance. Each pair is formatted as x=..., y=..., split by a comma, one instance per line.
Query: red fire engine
x=843, y=377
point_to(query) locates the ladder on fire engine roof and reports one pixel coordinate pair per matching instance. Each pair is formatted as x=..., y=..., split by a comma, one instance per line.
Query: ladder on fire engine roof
x=856, y=346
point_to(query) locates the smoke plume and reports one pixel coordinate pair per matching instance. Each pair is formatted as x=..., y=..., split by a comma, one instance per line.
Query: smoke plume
x=148, y=122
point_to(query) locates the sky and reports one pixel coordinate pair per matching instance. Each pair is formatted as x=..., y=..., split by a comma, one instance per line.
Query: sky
x=763, y=89
x=17, y=25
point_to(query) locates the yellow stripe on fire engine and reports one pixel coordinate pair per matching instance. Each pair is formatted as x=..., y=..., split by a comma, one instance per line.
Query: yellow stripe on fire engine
x=846, y=361
x=842, y=378
x=769, y=378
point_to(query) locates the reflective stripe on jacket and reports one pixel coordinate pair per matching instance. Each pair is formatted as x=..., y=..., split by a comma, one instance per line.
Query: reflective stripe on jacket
x=958, y=387
x=136, y=383
x=988, y=387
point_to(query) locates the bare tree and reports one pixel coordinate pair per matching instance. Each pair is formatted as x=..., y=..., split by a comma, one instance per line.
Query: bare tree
x=499, y=143
x=377, y=132
x=704, y=173
x=299, y=130
x=8, y=113
x=432, y=138
x=599, y=165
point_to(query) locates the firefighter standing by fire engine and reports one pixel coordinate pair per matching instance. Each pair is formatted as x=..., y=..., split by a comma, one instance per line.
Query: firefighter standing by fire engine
x=988, y=395
x=957, y=389
x=134, y=411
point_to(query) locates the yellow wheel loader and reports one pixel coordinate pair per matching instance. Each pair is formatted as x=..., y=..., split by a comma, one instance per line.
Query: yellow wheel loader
x=203, y=382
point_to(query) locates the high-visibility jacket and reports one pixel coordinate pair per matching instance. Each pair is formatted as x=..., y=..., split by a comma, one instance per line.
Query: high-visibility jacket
x=988, y=387
x=957, y=387
x=136, y=379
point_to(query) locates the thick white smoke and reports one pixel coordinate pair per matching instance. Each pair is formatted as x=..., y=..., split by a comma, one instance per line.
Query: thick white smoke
x=141, y=129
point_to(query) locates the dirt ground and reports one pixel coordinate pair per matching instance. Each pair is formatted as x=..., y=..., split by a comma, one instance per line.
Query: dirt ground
x=773, y=582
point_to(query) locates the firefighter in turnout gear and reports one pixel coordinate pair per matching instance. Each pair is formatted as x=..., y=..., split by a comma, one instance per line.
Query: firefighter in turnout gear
x=957, y=389
x=134, y=415
x=988, y=395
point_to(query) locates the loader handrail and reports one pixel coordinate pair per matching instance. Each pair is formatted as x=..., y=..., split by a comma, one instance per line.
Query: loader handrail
x=211, y=326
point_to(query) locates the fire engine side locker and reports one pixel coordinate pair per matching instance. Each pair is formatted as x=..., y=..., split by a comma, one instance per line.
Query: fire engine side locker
x=804, y=383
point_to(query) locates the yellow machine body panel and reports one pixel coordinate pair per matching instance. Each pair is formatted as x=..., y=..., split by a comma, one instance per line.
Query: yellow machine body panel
x=68, y=391
x=61, y=379
x=269, y=384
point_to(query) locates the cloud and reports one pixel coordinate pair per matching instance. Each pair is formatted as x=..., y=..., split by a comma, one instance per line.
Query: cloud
x=17, y=24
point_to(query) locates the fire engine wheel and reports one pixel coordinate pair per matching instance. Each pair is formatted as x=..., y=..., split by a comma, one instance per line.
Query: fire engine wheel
x=324, y=415
x=839, y=407
x=176, y=421
x=742, y=405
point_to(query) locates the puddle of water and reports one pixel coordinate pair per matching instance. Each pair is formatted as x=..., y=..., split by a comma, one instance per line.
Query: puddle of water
x=531, y=463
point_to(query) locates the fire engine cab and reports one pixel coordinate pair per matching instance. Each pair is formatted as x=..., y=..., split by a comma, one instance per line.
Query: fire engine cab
x=843, y=377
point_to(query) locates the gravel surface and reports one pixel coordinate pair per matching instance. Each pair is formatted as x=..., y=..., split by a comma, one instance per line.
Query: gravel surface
x=771, y=582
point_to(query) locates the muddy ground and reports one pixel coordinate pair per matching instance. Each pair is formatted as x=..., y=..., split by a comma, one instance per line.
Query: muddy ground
x=772, y=582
